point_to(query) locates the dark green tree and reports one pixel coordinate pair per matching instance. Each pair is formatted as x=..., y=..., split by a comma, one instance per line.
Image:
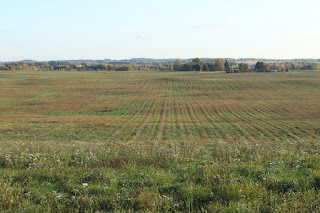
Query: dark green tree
x=205, y=67
x=186, y=67
x=197, y=64
x=227, y=66
x=244, y=67
x=262, y=67
x=177, y=65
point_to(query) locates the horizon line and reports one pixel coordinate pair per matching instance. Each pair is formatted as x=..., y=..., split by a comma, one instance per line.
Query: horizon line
x=123, y=59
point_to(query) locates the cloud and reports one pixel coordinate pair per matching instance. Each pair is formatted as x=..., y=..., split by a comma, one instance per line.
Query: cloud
x=141, y=37
x=216, y=24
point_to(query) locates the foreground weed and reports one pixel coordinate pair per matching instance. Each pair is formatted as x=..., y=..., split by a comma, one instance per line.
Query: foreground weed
x=217, y=176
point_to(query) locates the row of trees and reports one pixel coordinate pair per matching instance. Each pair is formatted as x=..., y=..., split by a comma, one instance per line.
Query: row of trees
x=233, y=67
x=286, y=67
x=219, y=65
x=198, y=65
x=295, y=66
x=82, y=67
x=194, y=65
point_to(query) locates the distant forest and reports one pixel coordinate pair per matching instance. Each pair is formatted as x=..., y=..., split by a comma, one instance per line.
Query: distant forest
x=197, y=64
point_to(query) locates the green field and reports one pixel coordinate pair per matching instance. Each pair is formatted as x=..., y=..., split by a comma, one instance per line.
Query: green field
x=159, y=141
x=158, y=106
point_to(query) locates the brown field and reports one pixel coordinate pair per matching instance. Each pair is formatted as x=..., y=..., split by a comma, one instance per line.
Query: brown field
x=158, y=106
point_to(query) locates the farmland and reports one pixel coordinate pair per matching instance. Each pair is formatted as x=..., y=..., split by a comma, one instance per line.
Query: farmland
x=167, y=107
x=159, y=141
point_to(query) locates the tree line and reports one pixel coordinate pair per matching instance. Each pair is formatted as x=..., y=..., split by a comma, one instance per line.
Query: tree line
x=194, y=65
x=219, y=65
x=86, y=66
x=234, y=67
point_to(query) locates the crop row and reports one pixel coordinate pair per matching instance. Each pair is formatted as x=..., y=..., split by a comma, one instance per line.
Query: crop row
x=161, y=106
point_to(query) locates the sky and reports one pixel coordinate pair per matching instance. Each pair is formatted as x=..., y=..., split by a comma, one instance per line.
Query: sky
x=122, y=29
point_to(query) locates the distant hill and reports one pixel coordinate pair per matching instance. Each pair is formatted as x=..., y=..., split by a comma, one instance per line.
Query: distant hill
x=151, y=61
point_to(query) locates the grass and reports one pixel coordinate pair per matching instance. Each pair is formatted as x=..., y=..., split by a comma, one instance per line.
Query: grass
x=159, y=141
x=219, y=176
x=162, y=106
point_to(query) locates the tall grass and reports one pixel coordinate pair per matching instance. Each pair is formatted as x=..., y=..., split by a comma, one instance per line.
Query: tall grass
x=151, y=176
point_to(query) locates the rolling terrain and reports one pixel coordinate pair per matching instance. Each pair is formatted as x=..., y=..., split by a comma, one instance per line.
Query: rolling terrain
x=159, y=142
x=162, y=106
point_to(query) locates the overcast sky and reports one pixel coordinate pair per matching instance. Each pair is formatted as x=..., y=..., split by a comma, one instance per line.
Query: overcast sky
x=100, y=29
